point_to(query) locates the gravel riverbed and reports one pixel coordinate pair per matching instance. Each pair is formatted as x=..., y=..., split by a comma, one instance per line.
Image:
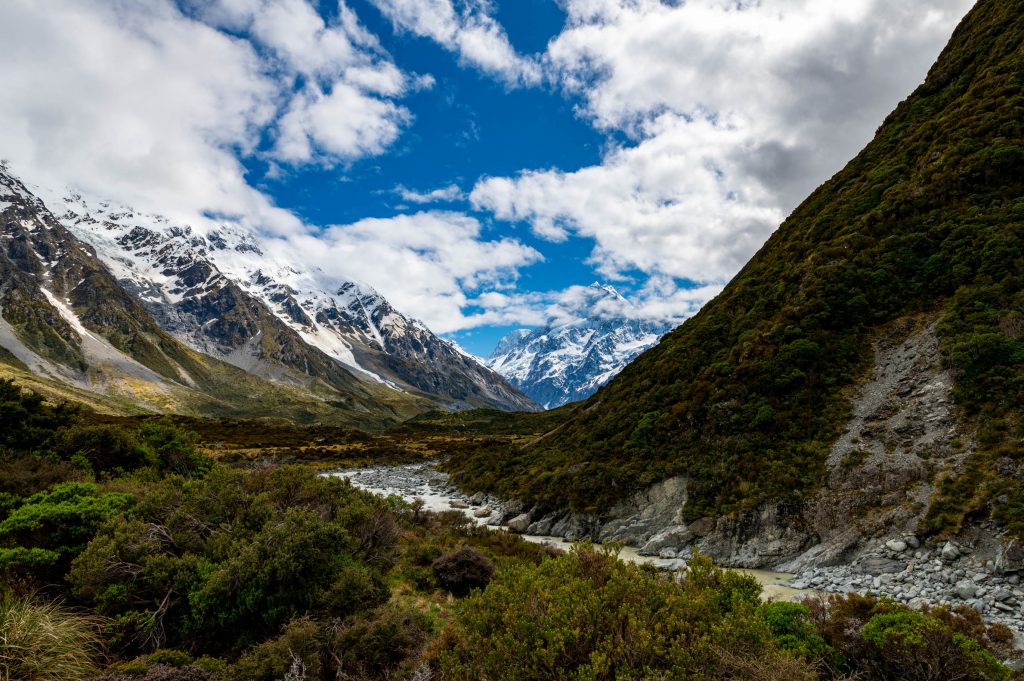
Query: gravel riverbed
x=904, y=569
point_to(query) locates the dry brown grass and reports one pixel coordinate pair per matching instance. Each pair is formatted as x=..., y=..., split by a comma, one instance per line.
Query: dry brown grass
x=42, y=641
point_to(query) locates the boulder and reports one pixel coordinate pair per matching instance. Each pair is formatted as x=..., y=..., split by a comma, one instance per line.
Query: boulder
x=966, y=590
x=897, y=545
x=477, y=499
x=455, y=503
x=482, y=512
x=519, y=523
x=876, y=565
x=950, y=552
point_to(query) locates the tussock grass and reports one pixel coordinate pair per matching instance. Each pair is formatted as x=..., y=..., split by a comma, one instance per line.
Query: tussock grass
x=40, y=641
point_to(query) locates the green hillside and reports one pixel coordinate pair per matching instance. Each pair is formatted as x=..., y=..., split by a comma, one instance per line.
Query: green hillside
x=747, y=396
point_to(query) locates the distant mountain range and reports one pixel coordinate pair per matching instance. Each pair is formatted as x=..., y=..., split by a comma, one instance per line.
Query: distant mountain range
x=100, y=296
x=567, y=362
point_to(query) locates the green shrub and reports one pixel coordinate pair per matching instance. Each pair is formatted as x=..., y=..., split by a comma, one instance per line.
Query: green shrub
x=587, y=615
x=378, y=645
x=41, y=536
x=296, y=652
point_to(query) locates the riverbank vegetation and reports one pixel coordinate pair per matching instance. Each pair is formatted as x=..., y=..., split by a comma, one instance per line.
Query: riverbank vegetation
x=127, y=554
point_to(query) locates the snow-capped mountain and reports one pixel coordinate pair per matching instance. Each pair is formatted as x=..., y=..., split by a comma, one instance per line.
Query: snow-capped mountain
x=68, y=329
x=222, y=291
x=568, y=362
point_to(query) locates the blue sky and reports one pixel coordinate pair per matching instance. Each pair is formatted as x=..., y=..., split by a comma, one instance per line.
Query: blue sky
x=476, y=161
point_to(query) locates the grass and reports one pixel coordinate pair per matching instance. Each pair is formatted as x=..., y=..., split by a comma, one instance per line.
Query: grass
x=42, y=641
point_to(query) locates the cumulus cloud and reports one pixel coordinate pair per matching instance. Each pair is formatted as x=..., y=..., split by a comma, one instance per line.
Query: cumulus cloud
x=154, y=105
x=468, y=30
x=660, y=300
x=423, y=263
x=733, y=112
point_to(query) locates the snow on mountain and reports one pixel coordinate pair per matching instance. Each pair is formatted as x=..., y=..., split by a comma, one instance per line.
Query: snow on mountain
x=221, y=290
x=566, y=362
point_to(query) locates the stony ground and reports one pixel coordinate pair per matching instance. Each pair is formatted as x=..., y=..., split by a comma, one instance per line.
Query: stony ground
x=907, y=571
x=904, y=569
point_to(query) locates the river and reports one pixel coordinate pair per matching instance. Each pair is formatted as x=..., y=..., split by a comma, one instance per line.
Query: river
x=424, y=482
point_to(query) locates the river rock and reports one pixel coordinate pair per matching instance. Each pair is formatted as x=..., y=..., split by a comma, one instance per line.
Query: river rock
x=897, y=545
x=482, y=512
x=456, y=503
x=966, y=590
x=876, y=565
x=519, y=523
x=477, y=499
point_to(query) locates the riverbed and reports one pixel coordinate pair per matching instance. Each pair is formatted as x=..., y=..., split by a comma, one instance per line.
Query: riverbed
x=422, y=481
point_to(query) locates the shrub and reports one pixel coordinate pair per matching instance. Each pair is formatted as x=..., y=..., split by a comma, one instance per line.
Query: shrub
x=295, y=654
x=49, y=529
x=462, y=571
x=587, y=615
x=45, y=641
x=882, y=640
x=105, y=447
x=376, y=646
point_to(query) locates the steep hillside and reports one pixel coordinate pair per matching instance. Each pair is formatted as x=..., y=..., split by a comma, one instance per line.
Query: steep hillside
x=567, y=362
x=223, y=291
x=747, y=398
x=65, y=318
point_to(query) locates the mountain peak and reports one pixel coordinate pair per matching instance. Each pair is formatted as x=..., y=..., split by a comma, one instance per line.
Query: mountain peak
x=565, y=362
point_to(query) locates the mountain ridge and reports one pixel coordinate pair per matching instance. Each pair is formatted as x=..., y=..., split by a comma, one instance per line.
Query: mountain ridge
x=566, y=362
x=745, y=400
x=67, y=317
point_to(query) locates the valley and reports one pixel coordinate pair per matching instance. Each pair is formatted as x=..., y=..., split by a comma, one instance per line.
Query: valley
x=225, y=457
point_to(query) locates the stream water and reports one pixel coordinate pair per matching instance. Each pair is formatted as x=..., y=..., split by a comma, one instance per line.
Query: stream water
x=422, y=481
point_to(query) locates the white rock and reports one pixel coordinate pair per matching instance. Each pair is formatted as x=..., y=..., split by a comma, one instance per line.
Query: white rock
x=897, y=545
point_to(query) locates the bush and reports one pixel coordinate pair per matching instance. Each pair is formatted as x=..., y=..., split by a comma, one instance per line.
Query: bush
x=295, y=654
x=104, y=447
x=378, y=645
x=587, y=615
x=462, y=571
x=42, y=535
x=882, y=640
x=45, y=641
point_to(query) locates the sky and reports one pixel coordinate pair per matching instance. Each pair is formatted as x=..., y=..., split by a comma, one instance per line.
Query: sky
x=478, y=162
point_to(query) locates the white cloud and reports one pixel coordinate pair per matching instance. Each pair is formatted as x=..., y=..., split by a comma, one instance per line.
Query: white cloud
x=344, y=124
x=469, y=31
x=450, y=193
x=660, y=300
x=140, y=103
x=422, y=263
x=735, y=112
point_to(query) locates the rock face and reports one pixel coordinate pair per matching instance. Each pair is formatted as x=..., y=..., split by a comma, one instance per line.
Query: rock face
x=220, y=290
x=902, y=425
x=567, y=362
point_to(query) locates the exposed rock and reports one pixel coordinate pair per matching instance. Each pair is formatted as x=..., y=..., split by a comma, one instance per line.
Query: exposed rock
x=897, y=545
x=520, y=523
x=950, y=552
x=881, y=566
x=966, y=590
x=456, y=503
x=477, y=499
x=482, y=512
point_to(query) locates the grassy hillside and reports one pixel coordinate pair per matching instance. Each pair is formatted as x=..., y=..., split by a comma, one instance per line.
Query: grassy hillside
x=747, y=396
